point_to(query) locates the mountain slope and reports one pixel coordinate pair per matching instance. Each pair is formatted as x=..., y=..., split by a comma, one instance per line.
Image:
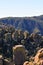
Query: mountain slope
x=25, y=23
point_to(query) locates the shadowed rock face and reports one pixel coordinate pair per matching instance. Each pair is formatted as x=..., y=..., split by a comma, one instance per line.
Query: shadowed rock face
x=19, y=54
x=39, y=57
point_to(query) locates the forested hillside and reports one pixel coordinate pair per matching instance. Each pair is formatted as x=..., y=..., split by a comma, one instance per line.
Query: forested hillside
x=30, y=24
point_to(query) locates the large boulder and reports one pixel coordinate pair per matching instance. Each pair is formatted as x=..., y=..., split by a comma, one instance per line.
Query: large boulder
x=19, y=55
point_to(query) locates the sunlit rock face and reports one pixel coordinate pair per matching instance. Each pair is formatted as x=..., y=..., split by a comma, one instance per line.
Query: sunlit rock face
x=26, y=63
x=39, y=57
x=19, y=54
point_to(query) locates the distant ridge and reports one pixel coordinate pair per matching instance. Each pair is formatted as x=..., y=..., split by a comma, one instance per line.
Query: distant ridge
x=30, y=24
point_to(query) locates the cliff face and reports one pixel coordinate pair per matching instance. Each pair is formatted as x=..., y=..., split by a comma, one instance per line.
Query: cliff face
x=31, y=24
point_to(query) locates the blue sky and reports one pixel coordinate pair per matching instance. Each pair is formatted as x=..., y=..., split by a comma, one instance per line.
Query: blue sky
x=21, y=8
